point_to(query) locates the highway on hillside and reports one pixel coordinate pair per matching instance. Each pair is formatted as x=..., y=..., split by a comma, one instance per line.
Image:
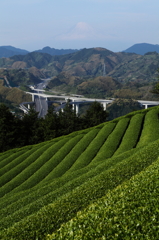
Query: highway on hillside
x=41, y=104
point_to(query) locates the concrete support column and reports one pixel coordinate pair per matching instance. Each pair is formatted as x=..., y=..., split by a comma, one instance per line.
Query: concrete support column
x=73, y=106
x=32, y=97
x=28, y=106
x=146, y=106
x=77, y=108
x=104, y=106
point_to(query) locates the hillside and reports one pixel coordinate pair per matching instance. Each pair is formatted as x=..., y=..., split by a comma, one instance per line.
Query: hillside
x=53, y=184
x=53, y=51
x=9, y=51
x=13, y=95
x=142, y=48
x=81, y=63
x=132, y=75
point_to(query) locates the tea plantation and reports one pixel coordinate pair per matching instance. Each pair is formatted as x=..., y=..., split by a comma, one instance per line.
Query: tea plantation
x=99, y=183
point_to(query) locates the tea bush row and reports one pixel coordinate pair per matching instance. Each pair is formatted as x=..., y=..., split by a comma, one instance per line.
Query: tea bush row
x=49, y=218
x=71, y=158
x=32, y=160
x=23, y=163
x=54, y=166
x=90, y=152
x=131, y=211
x=132, y=134
x=150, y=130
x=34, y=198
x=113, y=141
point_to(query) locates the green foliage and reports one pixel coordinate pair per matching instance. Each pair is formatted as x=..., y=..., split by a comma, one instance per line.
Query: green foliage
x=95, y=114
x=149, y=132
x=7, y=128
x=132, y=134
x=156, y=87
x=128, y=212
x=121, y=107
x=45, y=185
x=113, y=140
x=94, y=146
x=63, y=209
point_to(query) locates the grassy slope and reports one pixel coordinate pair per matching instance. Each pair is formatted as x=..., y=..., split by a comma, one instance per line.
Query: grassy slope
x=130, y=211
x=45, y=185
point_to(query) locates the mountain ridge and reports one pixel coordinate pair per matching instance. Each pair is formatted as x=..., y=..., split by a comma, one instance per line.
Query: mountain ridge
x=139, y=48
x=143, y=48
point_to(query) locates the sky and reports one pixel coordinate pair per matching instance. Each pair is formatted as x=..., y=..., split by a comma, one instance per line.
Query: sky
x=76, y=24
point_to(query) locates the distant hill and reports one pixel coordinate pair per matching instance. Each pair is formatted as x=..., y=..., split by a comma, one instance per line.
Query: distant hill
x=53, y=51
x=142, y=48
x=9, y=51
x=78, y=72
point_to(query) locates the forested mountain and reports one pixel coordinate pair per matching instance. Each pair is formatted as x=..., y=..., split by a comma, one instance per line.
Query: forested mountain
x=9, y=51
x=53, y=51
x=143, y=48
x=81, y=72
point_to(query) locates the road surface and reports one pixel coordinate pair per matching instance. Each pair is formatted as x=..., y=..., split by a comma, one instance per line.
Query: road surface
x=41, y=104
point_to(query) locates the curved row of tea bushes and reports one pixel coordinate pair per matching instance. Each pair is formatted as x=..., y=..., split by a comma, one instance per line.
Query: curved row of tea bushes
x=113, y=140
x=90, y=152
x=23, y=160
x=131, y=211
x=49, y=218
x=72, y=156
x=34, y=159
x=132, y=134
x=150, y=130
x=53, y=163
x=22, y=205
x=10, y=162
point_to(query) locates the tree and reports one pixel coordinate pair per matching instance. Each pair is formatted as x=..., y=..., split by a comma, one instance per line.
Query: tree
x=8, y=136
x=68, y=120
x=95, y=115
x=51, y=124
x=156, y=87
x=31, y=128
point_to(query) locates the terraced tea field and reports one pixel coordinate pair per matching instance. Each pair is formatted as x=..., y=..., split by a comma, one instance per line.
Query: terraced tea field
x=64, y=183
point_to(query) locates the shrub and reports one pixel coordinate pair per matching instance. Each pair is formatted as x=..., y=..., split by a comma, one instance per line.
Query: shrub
x=150, y=130
x=92, y=149
x=128, y=212
x=49, y=218
x=132, y=134
x=113, y=141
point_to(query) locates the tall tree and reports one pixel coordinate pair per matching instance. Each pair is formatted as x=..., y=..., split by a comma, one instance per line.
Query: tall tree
x=156, y=87
x=95, y=114
x=31, y=128
x=51, y=124
x=68, y=120
x=8, y=134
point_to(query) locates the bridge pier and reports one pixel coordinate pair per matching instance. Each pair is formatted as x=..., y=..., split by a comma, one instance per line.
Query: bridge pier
x=146, y=105
x=77, y=108
x=104, y=106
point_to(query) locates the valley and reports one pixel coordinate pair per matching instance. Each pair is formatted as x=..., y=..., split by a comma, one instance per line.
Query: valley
x=86, y=176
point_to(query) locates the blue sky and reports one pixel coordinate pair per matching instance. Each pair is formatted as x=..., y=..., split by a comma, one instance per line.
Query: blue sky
x=112, y=24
